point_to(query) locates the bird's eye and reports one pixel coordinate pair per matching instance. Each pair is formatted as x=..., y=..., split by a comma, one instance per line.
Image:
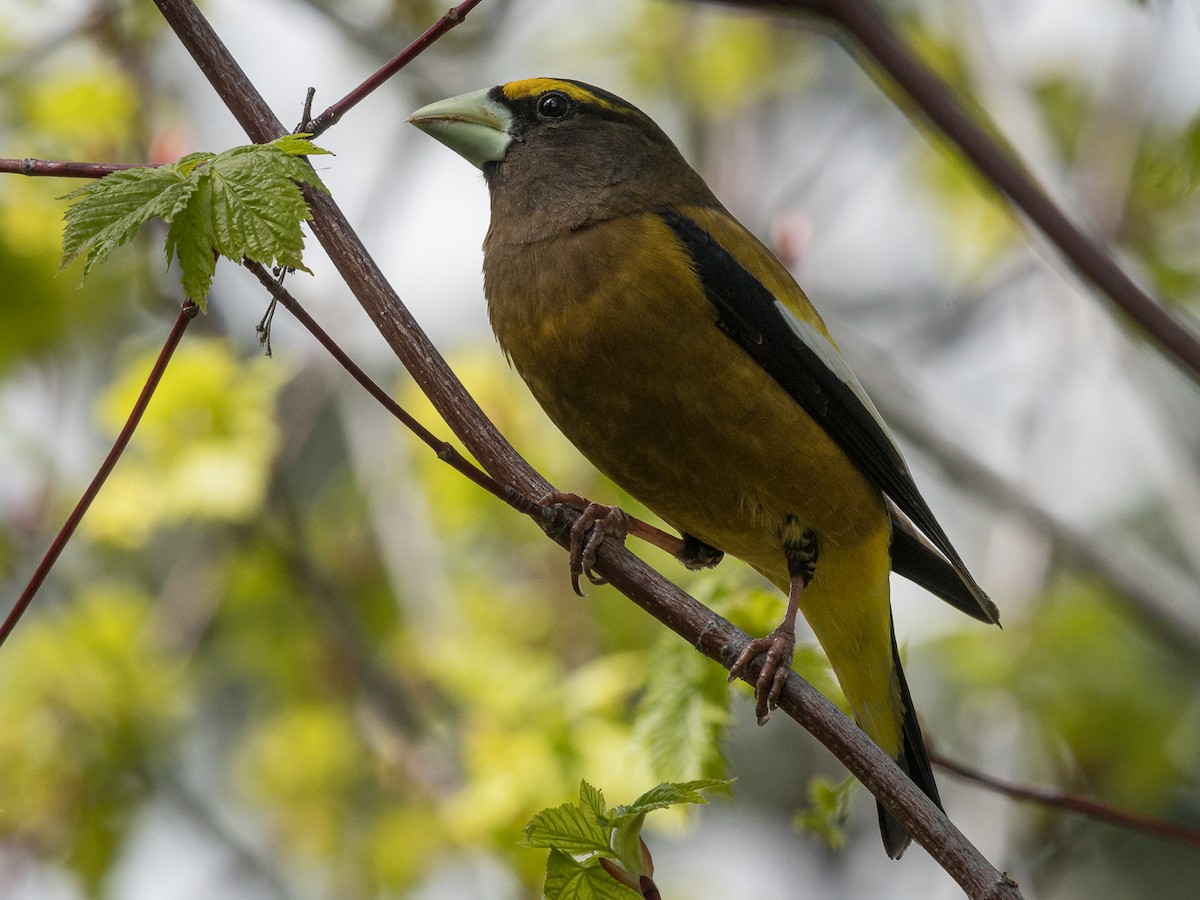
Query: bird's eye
x=553, y=105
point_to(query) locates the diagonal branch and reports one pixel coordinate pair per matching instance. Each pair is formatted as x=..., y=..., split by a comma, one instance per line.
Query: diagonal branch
x=709, y=633
x=187, y=312
x=333, y=114
x=1084, y=806
x=878, y=41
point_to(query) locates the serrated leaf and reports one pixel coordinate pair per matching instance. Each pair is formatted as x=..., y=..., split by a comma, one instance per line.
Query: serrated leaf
x=243, y=203
x=570, y=828
x=256, y=208
x=299, y=145
x=110, y=210
x=190, y=240
x=567, y=879
x=189, y=162
x=664, y=795
x=826, y=816
x=684, y=713
x=592, y=798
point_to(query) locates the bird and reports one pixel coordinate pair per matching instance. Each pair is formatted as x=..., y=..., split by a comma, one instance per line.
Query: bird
x=681, y=357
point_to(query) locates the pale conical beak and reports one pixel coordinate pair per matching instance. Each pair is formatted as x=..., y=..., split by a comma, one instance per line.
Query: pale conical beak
x=472, y=125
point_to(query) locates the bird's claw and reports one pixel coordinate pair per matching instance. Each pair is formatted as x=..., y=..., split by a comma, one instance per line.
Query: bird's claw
x=595, y=523
x=779, y=646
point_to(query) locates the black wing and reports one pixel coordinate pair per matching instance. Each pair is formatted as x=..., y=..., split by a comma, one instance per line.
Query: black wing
x=763, y=327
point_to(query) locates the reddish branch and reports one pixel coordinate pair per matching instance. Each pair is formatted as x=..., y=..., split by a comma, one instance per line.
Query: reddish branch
x=186, y=313
x=1084, y=806
x=333, y=114
x=30, y=166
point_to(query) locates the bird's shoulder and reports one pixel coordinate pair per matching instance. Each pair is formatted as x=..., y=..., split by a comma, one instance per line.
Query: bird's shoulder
x=758, y=261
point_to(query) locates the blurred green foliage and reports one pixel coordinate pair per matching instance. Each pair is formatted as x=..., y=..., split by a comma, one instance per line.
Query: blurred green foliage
x=826, y=816
x=1114, y=709
x=91, y=704
x=717, y=63
x=1163, y=210
x=374, y=667
x=77, y=111
x=203, y=450
x=975, y=226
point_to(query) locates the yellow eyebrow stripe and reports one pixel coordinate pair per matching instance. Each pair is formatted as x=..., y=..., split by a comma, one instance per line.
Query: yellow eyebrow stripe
x=531, y=87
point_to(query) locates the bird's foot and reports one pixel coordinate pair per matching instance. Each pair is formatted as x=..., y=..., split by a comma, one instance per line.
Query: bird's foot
x=595, y=523
x=779, y=646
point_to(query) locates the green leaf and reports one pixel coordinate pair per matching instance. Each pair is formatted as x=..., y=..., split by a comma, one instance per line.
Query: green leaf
x=683, y=713
x=190, y=239
x=245, y=203
x=583, y=830
x=189, y=162
x=627, y=842
x=299, y=145
x=591, y=798
x=570, y=828
x=826, y=817
x=109, y=211
x=568, y=879
x=626, y=821
x=667, y=794
x=257, y=205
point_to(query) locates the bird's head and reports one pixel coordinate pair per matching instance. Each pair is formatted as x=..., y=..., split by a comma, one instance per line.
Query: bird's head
x=551, y=147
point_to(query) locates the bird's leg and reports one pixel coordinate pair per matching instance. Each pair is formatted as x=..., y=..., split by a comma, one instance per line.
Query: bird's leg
x=598, y=522
x=692, y=552
x=779, y=644
x=595, y=523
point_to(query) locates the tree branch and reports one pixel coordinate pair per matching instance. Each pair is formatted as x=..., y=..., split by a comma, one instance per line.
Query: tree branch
x=334, y=113
x=187, y=312
x=445, y=451
x=31, y=166
x=708, y=632
x=1092, y=809
x=859, y=21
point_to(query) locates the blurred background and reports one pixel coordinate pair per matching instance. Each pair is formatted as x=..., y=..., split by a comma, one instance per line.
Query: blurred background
x=291, y=655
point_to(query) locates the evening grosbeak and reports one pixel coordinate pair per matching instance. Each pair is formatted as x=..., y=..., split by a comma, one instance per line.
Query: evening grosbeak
x=681, y=358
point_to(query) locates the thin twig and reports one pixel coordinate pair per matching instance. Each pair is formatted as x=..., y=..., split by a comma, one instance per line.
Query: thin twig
x=1084, y=806
x=445, y=451
x=31, y=166
x=334, y=113
x=187, y=312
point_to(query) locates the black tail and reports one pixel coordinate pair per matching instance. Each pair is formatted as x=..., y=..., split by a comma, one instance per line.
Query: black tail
x=914, y=760
x=916, y=559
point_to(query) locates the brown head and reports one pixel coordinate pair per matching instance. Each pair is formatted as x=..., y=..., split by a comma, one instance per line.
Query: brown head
x=560, y=154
